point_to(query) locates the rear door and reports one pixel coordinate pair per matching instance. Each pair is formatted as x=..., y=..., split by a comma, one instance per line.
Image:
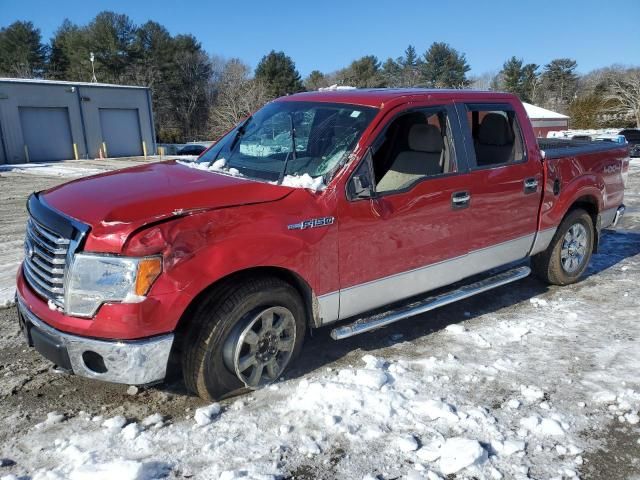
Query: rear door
x=504, y=184
x=412, y=236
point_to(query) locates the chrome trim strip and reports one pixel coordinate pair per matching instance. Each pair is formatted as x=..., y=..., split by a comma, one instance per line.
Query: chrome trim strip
x=367, y=296
x=542, y=240
x=428, y=304
x=138, y=362
x=47, y=233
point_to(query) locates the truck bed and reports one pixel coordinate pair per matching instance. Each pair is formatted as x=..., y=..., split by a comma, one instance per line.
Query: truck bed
x=560, y=147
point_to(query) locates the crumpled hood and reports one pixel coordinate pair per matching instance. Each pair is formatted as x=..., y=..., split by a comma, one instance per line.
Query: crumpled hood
x=121, y=201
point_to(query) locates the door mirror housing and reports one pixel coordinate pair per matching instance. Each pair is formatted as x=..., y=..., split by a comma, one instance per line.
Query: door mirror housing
x=362, y=184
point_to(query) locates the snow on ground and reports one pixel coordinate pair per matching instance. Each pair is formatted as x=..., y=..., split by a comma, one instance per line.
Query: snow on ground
x=523, y=387
x=56, y=169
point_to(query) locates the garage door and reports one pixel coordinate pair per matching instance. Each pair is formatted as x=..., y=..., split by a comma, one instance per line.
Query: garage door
x=121, y=131
x=46, y=133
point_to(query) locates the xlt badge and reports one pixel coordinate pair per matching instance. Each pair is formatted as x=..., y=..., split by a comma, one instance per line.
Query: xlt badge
x=312, y=223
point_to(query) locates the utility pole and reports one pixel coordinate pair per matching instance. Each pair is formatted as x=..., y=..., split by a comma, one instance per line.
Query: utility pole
x=93, y=70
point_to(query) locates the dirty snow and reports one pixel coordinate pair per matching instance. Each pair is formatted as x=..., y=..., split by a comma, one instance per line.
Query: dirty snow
x=55, y=169
x=519, y=389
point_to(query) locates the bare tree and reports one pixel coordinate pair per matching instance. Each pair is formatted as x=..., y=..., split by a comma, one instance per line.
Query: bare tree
x=189, y=97
x=237, y=97
x=484, y=81
x=625, y=96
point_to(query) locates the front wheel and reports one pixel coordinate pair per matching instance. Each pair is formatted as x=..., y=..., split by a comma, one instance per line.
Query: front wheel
x=567, y=256
x=243, y=336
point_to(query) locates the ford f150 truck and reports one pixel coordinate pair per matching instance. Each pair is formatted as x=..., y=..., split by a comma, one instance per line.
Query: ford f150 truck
x=348, y=206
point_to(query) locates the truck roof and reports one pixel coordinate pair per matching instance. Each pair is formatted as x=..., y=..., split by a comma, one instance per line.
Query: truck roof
x=374, y=97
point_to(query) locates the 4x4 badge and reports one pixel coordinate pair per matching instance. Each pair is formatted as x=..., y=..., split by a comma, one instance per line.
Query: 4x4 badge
x=312, y=223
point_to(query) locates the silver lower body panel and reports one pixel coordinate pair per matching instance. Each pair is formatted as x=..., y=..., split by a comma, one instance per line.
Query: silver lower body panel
x=138, y=362
x=422, y=306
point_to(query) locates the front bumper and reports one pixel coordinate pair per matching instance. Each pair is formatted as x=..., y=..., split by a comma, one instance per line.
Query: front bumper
x=133, y=362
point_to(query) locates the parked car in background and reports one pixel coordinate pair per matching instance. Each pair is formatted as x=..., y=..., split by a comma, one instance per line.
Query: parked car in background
x=321, y=207
x=633, y=137
x=191, y=149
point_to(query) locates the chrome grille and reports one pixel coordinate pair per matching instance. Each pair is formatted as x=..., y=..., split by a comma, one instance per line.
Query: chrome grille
x=45, y=257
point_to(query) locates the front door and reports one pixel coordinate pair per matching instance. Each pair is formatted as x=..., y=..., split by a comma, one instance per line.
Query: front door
x=412, y=236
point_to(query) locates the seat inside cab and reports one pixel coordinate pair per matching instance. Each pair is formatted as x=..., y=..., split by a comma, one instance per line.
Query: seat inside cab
x=415, y=146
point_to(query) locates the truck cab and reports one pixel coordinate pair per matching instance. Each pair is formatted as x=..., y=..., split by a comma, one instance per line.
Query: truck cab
x=321, y=207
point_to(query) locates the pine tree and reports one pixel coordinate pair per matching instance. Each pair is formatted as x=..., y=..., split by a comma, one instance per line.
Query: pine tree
x=519, y=79
x=362, y=73
x=410, y=63
x=560, y=82
x=279, y=75
x=69, y=58
x=316, y=80
x=112, y=38
x=391, y=73
x=22, y=53
x=153, y=67
x=445, y=67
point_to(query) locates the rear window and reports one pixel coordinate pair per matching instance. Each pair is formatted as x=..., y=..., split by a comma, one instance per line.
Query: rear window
x=497, y=137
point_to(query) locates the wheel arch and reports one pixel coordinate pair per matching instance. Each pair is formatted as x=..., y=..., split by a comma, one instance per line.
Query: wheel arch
x=590, y=204
x=307, y=294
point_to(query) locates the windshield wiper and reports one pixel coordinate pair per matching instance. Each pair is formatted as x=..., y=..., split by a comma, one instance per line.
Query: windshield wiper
x=293, y=151
x=239, y=133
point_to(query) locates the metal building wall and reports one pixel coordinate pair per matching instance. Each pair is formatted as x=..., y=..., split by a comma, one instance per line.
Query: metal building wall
x=27, y=104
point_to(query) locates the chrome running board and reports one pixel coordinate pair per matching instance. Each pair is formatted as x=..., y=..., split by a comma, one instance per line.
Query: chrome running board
x=379, y=320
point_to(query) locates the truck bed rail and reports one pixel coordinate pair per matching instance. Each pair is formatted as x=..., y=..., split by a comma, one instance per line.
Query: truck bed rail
x=561, y=147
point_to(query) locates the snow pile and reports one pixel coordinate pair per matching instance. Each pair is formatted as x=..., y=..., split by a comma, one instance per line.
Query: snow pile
x=459, y=453
x=304, y=181
x=220, y=166
x=336, y=87
x=205, y=415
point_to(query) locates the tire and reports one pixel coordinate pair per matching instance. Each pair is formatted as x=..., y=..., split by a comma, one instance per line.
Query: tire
x=558, y=267
x=219, y=336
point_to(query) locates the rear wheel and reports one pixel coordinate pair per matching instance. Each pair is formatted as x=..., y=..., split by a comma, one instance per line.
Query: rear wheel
x=567, y=256
x=243, y=336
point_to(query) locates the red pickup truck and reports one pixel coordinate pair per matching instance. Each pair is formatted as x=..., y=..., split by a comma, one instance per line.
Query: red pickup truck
x=342, y=206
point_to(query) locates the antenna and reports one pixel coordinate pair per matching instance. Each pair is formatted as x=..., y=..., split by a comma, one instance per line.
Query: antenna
x=93, y=70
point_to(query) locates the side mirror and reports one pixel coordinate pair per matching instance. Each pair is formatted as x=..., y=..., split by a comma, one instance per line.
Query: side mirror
x=361, y=187
x=362, y=183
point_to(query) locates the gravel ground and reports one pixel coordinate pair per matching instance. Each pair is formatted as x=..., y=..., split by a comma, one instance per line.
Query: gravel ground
x=30, y=387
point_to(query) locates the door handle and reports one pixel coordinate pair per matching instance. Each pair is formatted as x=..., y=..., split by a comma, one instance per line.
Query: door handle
x=460, y=200
x=530, y=185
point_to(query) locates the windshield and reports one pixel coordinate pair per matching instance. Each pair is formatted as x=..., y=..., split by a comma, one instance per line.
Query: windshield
x=262, y=147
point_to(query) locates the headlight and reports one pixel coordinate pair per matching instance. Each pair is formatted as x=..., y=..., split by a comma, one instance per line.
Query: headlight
x=95, y=279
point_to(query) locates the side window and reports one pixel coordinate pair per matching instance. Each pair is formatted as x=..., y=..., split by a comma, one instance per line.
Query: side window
x=497, y=138
x=415, y=146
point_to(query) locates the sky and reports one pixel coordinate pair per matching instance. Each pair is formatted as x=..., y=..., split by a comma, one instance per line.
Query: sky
x=327, y=35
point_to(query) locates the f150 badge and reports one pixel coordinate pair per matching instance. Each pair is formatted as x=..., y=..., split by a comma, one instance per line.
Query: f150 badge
x=312, y=223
